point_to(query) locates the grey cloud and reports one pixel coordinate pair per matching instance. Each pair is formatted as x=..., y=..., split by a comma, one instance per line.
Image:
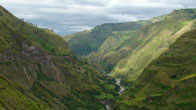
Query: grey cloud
x=69, y=16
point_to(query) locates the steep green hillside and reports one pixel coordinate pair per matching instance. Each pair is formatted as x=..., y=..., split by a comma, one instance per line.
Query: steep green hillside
x=117, y=46
x=153, y=40
x=12, y=26
x=39, y=72
x=68, y=37
x=108, y=39
x=85, y=43
x=168, y=83
x=127, y=51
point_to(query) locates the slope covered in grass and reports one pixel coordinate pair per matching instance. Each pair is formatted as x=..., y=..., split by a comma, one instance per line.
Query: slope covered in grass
x=46, y=39
x=154, y=40
x=69, y=37
x=103, y=43
x=39, y=72
x=119, y=45
x=125, y=51
x=85, y=43
x=168, y=82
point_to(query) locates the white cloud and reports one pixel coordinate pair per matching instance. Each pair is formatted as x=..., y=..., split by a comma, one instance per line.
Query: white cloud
x=79, y=28
x=69, y=16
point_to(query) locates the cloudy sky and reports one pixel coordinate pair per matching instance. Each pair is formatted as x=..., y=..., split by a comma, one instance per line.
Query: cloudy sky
x=70, y=16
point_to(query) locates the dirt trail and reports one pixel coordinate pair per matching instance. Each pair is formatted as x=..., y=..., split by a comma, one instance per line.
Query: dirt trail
x=27, y=75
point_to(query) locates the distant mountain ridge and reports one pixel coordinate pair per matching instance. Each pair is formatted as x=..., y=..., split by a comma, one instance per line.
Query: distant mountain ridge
x=155, y=60
x=159, y=37
x=127, y=52
x=85, y=43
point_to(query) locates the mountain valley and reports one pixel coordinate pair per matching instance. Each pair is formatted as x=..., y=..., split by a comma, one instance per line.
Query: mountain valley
x=142, y=65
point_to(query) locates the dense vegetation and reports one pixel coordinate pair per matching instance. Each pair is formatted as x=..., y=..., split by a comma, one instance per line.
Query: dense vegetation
x=168, y=82
x=154, y=40
x=39, y=72
x=160, y=79
x=84, y=43
x=12, y=27
x=106, y=40
x=126, y=52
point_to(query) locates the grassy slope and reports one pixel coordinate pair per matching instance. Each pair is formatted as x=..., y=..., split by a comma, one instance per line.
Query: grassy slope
x=153, y=40
x=38, y=71
x=14, y=97
x=44, y=38
x=168, y=82
x=85, y=43
x=69, y=37
x=129, y=50
x=102, y=44
x=113, y=49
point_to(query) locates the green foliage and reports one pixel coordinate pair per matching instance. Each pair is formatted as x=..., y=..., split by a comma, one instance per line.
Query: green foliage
x=165, y=87
x=152, y=41
x=55, y=79
x=171, y=53
x=16, y=32
x=17, y=98
x=86, y=42
x=121, y=47
x=43, y=73
x=105, y=96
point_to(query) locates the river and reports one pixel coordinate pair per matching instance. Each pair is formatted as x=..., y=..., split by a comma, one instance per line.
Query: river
x=118, y=81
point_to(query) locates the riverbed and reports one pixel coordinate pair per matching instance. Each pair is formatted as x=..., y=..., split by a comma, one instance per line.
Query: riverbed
x=118, y=81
